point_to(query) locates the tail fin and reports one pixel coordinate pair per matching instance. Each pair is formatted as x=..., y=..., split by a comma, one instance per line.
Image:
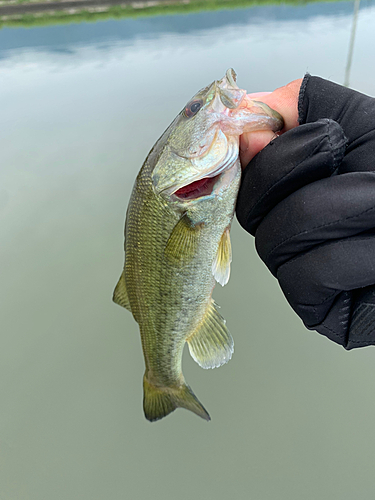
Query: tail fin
x=158, y=401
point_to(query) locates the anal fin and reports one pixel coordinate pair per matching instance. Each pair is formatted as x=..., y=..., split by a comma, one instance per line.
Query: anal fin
x=221, y=264
x=120, y=295
x=211, y=345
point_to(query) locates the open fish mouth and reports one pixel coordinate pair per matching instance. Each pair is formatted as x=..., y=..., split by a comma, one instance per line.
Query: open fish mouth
x=212, y=166
x=197, y=189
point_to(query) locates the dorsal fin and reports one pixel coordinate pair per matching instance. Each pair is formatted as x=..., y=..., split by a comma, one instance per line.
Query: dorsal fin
x=120, y=295
x=211, y=345
x=221, y=264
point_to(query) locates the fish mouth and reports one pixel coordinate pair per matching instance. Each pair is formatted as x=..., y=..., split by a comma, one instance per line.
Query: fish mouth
x=197, y=189
x=210, y=169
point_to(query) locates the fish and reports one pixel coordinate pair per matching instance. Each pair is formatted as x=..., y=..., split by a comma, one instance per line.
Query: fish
x=177, y=240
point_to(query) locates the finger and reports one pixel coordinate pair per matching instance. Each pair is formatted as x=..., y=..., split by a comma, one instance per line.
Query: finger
x=258, y=95
x=253, y=142
x=285, y=101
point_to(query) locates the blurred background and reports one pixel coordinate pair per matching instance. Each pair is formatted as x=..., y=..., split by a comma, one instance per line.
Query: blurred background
x=82, y=103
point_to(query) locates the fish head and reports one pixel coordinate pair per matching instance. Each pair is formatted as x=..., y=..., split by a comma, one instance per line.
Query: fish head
x=201, y=146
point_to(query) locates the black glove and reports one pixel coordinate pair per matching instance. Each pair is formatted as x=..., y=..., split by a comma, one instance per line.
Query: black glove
x=309, y=199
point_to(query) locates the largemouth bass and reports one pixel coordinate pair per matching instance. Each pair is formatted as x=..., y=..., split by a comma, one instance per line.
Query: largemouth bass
x=177, y=243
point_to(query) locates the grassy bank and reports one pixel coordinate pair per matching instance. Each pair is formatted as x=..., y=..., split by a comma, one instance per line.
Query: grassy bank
x=93, y=14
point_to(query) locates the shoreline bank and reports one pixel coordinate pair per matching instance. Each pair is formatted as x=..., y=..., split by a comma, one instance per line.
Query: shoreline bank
x=28, y=13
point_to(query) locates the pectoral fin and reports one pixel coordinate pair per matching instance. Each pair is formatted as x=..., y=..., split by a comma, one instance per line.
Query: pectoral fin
x=182, y=244
x=120, y=295
x=211, y=345
x=221, y=264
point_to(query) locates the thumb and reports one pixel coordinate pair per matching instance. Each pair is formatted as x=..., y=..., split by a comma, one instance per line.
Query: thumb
x=285, y=101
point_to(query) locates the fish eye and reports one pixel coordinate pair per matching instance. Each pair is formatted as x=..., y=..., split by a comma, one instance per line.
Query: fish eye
x=193, y=107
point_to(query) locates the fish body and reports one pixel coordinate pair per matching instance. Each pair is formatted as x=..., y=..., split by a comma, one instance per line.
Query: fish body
x=177, y=243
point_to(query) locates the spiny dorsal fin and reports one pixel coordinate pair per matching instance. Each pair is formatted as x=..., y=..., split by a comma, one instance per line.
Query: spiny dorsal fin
x=211, y=345
x=159, y=401
x=182, y=244
x=221, y=264
x=120, y=295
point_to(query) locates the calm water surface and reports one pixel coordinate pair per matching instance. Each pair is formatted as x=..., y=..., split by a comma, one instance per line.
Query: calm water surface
x=292, y=414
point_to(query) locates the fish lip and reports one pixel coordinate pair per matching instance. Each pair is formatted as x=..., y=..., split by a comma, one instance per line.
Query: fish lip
x=272, y=113
x=206, y=191
x=231, y=76
x=218, y=172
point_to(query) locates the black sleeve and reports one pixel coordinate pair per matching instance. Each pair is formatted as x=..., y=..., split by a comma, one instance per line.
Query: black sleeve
x=309, y=199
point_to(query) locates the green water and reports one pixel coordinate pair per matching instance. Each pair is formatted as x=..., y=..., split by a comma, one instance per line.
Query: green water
x=81, y=105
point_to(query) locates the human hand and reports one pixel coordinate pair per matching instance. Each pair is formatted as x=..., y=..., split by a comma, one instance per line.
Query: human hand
x=309, y=199
x=285, y=101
